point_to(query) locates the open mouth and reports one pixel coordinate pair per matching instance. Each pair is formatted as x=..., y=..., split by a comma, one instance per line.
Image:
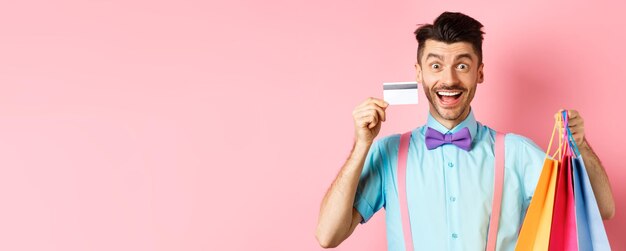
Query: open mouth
x=449, y=98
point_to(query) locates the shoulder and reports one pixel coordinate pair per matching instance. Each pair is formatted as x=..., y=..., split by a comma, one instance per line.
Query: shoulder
x=523, y=149
x=389, y=143
x=513, y=140
x=520, y=141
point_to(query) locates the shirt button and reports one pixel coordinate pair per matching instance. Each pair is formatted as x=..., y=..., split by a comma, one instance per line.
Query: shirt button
x=455, y=236
x=452, y=198
x=450, y=164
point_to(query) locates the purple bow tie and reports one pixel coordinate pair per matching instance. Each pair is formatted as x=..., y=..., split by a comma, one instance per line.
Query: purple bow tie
x=462, y=139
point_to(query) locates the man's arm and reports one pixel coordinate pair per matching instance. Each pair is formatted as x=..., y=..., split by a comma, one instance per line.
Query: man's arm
x=338, y=218
x=597, y=175
x=599, y=181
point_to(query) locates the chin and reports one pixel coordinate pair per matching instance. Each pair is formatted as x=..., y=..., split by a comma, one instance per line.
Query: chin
x=450, y=114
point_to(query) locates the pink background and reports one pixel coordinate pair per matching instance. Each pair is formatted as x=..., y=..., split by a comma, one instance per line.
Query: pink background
x=195, y=125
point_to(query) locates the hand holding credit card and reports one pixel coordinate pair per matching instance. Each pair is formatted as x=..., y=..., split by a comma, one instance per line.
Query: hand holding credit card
x=400, y=93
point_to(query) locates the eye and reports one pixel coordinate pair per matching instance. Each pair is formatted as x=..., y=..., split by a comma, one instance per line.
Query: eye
x=462, y=67
x=435, y=66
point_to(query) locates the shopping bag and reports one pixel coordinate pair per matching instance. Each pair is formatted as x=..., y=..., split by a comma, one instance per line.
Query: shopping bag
x=563, y=234
x=563, y=214
x=584, y=235
x=591, y=233
x=535, y=231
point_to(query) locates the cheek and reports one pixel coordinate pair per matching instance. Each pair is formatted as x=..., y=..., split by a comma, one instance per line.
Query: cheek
x=429, y=79
x=472, y=77
x=470, y=81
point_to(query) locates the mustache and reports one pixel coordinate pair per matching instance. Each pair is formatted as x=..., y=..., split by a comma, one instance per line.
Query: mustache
x=450, y=88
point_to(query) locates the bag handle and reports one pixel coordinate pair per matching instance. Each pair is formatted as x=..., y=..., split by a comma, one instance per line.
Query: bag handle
x=558, y=121
x=572, y=143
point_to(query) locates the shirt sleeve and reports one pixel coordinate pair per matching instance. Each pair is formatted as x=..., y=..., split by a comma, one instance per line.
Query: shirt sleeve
x=530, y=158
x=369, y=196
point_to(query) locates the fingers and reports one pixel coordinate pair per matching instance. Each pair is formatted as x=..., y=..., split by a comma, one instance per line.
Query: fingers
x=559, y=117
x=366, y=118
x=573, y=117
x=373, y=124
x=375, y=108
x=578, y=136
x=378, y=102
x=575, y=123
x=374, y=105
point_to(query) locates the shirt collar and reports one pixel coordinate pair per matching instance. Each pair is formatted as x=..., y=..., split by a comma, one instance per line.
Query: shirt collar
x=469, y=122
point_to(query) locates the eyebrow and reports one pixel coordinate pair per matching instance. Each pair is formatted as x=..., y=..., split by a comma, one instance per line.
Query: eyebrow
x=465, y=55
x=432, y=55
x=437, y=56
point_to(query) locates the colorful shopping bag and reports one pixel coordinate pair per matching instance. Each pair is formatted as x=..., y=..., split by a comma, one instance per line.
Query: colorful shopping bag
x=584, y=235
x=563, y=214
x=563, y=234
x=591, y=233
x=535, y=231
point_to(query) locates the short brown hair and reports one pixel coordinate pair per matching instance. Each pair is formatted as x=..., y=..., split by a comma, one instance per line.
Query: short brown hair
x=451, y=27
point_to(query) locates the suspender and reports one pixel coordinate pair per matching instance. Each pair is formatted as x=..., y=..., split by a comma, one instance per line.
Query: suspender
x=497, y=192
x=403, y=151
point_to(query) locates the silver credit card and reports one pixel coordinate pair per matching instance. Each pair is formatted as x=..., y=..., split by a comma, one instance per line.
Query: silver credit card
x=400, y=93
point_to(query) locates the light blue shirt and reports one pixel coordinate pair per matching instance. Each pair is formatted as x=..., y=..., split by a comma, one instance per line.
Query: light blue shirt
x=449, y=190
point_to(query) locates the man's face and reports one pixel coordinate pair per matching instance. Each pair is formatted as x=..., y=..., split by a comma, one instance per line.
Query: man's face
x=449, y=74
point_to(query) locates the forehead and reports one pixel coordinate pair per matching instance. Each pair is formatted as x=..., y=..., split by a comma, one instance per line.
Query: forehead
x=448, y=51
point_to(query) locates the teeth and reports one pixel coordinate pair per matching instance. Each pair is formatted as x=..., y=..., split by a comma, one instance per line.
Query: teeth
x=448, y=93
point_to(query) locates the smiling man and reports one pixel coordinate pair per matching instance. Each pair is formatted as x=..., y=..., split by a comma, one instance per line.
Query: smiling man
x=450, y=186
x=449, y=75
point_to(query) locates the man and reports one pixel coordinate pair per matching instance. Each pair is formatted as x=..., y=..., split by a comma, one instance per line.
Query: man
x=451, y=188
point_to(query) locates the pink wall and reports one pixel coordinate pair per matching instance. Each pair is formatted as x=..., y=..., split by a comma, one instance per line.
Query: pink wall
x=187, y=125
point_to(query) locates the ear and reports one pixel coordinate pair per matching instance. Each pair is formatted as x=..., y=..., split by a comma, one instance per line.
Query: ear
x=481, y=74
x=418, y=73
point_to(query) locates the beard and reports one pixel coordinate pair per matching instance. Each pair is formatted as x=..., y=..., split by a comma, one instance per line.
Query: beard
x=448, y=114
x=455, y=113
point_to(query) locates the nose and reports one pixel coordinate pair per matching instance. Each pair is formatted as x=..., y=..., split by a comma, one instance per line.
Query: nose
x=449, y=76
